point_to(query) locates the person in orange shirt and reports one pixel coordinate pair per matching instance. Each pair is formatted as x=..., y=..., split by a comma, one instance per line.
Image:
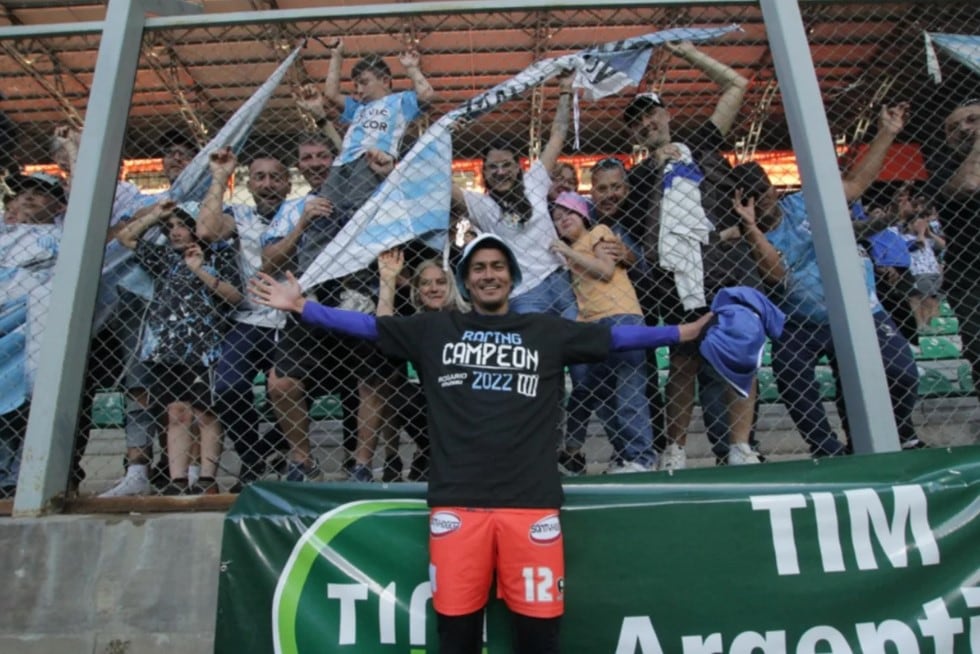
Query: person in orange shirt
x=616, y=387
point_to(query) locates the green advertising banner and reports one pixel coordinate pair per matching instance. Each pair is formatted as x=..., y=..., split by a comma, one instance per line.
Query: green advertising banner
x=858, y=555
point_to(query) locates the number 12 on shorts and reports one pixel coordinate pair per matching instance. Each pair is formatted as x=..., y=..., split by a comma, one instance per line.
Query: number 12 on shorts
x=537, y=584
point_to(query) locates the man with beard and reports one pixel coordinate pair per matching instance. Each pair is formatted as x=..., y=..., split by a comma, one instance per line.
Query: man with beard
x=676, y=283
x=289, y=395
x=312, y=367
x=778, y=232
x=515, y=208
x=249, y=346
x=954, y=187
x=314, y=158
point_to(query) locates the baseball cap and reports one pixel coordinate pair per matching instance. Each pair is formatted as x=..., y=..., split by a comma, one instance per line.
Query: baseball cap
x=481, y=242
x=640, y=104
x=39, y=180
x=574, y=202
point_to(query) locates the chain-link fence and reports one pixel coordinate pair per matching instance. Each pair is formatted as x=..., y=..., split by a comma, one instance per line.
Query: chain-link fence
x=193, y=387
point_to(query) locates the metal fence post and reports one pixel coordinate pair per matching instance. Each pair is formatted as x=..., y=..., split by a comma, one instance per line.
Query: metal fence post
x=870, y=417
x=61, y=369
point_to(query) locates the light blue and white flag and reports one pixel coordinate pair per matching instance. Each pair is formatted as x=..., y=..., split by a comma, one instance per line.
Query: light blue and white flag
x=13, y=344
x=964, y=48
x=193, y=181
x=190, y=186
x=413, y=202
x=24, y=316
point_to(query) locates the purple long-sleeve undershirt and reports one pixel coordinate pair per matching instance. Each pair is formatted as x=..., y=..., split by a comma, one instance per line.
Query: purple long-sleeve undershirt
x=641, y=337
x=349, y=323
x=364, y=326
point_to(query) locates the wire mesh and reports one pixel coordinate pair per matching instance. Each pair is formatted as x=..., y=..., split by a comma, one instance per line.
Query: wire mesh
x=192, y=389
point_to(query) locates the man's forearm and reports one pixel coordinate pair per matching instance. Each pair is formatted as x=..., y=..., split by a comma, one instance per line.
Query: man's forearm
x=864, y=172
x=966, y=180
x=423, y=90
x=332, y=84
x=721, y=74
x=863, y=228
x=276, y=255
x=767, y=259
x=212, y=223
x=733, y=87
x=130, y=234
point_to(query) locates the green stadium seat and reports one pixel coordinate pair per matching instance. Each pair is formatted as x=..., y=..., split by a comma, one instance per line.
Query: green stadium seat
x=768, y=390
x=828, y=385
x=109, y=409
x=942, y=326
x=935, y=348
x=327, y=407
x=933, y=383
x=965, y=377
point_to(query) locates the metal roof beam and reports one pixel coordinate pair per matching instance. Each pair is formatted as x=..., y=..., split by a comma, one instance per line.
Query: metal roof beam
x=339, y=12
x=71, y=113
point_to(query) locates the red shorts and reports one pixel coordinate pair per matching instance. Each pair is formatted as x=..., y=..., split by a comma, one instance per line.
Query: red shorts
x=524, y=547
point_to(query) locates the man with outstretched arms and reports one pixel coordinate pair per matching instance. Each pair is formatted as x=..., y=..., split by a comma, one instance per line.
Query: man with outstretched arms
x=494, y=381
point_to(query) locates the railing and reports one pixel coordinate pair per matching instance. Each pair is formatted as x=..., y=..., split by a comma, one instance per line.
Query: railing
x=192, y=72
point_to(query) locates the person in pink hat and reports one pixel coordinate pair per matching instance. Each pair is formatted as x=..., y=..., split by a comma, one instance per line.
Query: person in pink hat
x=616, y=387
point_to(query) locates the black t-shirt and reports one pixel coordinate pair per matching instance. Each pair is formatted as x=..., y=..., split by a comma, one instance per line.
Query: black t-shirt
x=646, y=189
x=494, y=385
x=958, y=217
x=725, y=264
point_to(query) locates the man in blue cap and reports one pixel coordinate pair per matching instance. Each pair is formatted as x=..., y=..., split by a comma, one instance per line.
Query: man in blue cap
x=494, y=380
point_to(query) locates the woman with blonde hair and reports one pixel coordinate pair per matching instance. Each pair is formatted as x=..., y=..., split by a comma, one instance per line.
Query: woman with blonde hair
x=430, y=289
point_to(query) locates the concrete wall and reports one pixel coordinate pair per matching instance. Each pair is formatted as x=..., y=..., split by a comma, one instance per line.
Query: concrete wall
x=134, y=584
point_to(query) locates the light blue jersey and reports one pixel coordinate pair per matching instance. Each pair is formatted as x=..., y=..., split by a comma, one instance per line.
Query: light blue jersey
x=379, y=124
x=284, y=222
x=252, y=230
x=27, y=257
x=801, y=294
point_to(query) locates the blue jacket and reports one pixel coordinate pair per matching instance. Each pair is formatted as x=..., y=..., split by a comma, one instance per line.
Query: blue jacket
x=734, y=341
